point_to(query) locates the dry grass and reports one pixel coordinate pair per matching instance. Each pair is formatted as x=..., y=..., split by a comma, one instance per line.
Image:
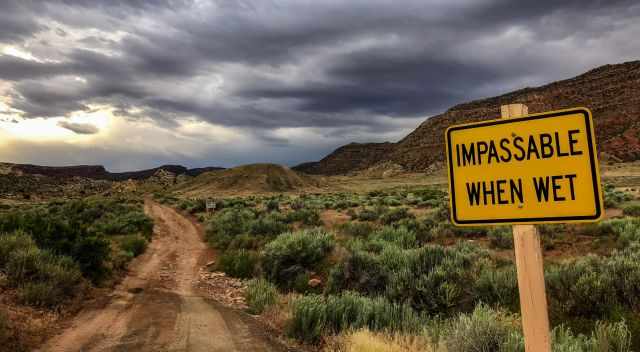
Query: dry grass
x=367, y=341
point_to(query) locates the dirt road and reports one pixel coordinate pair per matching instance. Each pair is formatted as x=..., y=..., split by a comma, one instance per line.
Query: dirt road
x=156, y=308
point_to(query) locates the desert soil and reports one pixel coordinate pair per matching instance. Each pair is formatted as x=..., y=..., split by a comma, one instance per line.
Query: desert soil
x=157, y=307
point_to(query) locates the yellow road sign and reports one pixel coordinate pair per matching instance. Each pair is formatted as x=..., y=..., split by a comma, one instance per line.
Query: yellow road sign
x=534, y=169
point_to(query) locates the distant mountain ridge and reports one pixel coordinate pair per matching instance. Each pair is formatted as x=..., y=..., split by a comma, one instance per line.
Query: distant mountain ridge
x=611, y=92
x=98, y=172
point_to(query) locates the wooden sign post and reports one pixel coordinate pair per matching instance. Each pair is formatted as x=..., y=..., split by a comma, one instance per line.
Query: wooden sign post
x=523, y=170
x=530, y=268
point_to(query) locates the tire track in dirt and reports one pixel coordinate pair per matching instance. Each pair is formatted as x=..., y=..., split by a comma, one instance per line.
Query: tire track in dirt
x=156, y=308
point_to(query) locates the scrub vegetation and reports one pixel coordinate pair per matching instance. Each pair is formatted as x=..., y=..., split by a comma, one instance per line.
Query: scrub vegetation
x=386, y=271
x=51, y=252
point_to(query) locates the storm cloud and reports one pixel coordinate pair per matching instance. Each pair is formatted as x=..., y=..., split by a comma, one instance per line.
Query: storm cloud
x=267, y=68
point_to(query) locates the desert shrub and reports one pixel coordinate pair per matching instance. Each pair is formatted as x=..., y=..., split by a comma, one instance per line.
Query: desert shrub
x=247, y=241
x=260, y=295
x=134, y=244
x=293, y=253
x=11, y=243
x=240, y=263
x=193, y=206
x=593, y=286
x=394, y=215
x=631, y=210
x=483, y=330
x=580, y=288
x=607, y=337
x=498, y=287
x=626, y=230
x=121, y=224
x=272, y=205
x=80, y=229
x=224, y=226
x=357, y=229
x=430, y=194
x=368, y=215
x=391, y=201
x=298, y=204
x=422, y=228
x=501, y=237
x=614, y=337
x=269, y=225
x=400, y=236
x=433, y=278
x=600, y=229
x=42, y=278
x=360, y=271
x=613, y=198
x=315, y=316
x=309, y=217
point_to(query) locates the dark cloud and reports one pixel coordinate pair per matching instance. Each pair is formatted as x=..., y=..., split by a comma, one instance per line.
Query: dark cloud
x=266, y=65
x=79, y=128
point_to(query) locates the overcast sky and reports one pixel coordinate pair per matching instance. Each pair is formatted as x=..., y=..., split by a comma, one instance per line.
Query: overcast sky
x=134, y=84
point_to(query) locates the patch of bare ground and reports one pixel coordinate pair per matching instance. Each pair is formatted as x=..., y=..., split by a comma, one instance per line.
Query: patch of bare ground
x=333, y=218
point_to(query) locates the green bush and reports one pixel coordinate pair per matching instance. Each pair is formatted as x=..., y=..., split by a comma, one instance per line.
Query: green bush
x=360, y=271
x=498, y=287
x=272, y=205
x=315, y=316
x=483, y=330
x=246, y=241
x=593, y=286
x=293, y=253
x=260, y=295
x=613, y=197
x=225, y=225
x=631, y=210
x=394, y=215
x=607, y=337
x=422, y=228
x=80, y=229
x=309, y=217
x=400, y=236
x=626, y=230
x=433, y=278
x=356, y=229
x=134, y=244
x=42, y=278
x=269, y=225
x=240, y=264
x=501, y=237
x=368, y=215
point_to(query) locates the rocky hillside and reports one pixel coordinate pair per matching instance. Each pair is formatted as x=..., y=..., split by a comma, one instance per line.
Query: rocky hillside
x=612, y=92
x=354, y=156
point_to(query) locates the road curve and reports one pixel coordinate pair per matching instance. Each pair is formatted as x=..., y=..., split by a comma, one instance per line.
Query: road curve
x=156, y=308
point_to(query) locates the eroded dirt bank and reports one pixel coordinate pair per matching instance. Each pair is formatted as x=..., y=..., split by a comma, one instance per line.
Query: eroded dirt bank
x=156, y=307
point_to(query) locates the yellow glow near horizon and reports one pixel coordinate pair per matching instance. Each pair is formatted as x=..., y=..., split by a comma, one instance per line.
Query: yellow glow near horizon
x=40, y=129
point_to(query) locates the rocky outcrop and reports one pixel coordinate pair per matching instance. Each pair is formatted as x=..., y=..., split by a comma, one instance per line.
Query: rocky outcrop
x=351, y=157
x=612, y=92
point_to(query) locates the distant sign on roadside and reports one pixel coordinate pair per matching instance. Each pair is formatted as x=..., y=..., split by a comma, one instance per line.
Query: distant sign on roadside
x=533, y=169
x=210, y=204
